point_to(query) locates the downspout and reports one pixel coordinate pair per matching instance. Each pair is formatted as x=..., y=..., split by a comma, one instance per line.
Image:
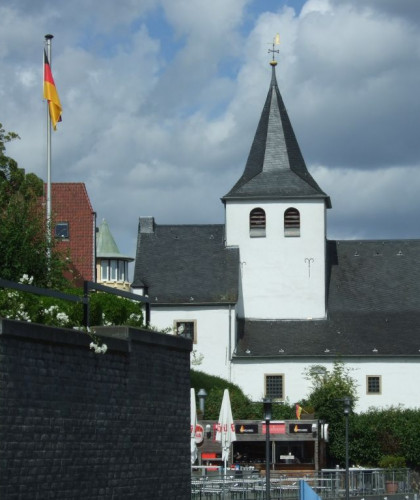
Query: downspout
x=95, y=277
x=230, y=343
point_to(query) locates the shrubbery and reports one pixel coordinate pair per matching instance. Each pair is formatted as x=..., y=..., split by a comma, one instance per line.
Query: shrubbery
x=105, y=309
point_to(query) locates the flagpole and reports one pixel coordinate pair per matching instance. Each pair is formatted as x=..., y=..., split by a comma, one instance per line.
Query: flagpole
x=48, y=39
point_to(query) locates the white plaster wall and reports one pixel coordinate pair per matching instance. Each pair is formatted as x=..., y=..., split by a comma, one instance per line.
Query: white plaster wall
x=398, y=378
x=277, y=282
x=212, y=333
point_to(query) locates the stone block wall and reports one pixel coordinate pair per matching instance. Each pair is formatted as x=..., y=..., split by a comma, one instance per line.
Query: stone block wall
x=80, y=425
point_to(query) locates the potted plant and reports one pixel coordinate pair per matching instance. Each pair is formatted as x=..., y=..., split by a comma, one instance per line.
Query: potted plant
x=392, y=475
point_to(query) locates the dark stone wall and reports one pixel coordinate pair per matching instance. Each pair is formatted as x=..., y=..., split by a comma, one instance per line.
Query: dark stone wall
x=80, y=425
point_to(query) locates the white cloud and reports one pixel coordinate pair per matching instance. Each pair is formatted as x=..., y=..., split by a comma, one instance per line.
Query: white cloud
x=161, y=100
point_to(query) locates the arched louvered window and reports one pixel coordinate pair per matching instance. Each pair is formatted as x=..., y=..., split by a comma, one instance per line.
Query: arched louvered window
x=257, y=222
x=291, y=222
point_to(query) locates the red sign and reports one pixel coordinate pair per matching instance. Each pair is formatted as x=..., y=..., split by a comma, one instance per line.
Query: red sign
x=199, y=433
x=275, y=428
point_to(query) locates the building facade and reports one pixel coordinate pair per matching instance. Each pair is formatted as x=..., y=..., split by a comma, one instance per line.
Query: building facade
x=74, y=228
x=266, y=295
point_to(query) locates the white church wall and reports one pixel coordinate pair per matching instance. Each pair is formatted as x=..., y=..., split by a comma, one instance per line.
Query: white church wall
x=212, y=339
x=282, y=277
x=395, y=376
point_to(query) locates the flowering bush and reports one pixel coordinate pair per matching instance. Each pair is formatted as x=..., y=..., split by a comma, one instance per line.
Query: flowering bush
x=105, y=309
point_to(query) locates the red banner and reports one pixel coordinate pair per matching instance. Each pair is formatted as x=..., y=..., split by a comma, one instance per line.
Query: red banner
x=277, y=428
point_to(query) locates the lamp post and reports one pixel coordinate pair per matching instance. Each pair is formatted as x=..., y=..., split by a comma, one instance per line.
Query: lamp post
x=202, y=394
x=267, y=417
x=347, y=408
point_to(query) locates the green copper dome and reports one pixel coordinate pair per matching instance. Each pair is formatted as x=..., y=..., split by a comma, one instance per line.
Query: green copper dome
x=106, y=246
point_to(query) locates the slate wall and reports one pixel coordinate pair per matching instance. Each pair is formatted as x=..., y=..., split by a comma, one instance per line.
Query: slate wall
x=79, y=425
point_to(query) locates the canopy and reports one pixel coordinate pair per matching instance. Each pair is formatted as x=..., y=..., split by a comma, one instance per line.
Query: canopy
x=193, y=422
x=225, y=427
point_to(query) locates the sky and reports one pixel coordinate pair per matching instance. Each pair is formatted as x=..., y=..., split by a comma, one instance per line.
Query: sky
x=161, y=100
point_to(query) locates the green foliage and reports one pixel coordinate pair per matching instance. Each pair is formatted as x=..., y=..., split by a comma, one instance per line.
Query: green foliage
x=24, y=248
x=392, y=462
x=328, y=388
x=242, y=406
x=106, y=309
x=378, y=433
x=39, y=309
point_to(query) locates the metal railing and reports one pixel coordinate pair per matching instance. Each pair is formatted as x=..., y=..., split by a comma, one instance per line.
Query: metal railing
x=326, y=484
x=88, y=287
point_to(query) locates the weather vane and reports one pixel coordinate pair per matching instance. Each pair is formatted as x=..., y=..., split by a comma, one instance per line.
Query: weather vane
x=276, y=41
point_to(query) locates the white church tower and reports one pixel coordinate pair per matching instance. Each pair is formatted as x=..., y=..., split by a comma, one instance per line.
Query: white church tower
x=276, y=215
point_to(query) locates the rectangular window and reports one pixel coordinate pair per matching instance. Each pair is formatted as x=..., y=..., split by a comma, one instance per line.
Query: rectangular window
x=104, y=270
x=114, y=270
x=373, y=384
x=186, y=328
x=121, y=270
x=62, y=230
x=274, y=386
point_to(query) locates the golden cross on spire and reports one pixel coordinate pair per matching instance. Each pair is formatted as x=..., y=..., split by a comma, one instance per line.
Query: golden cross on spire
x=276, y=41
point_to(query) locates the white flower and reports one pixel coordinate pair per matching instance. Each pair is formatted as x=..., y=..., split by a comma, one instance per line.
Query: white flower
x=26, y=279
x=61, y=316
x=99, y=349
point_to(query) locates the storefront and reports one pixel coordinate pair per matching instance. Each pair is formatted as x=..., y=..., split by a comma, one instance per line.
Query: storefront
x=294, y=445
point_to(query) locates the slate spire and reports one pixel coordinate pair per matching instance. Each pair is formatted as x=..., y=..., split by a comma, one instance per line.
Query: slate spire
x=275, y=168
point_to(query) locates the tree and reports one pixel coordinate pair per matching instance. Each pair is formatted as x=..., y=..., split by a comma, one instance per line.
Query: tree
x=24, y=248
x=326, y=397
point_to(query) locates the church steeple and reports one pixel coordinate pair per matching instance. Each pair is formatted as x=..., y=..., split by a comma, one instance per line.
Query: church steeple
x=275, y=168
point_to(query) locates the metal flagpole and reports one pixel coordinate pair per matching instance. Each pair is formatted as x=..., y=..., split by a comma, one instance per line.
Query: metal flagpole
x=48, y=39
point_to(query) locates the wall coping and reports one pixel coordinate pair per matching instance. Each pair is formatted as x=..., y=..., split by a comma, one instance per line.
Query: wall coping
x=117, y=338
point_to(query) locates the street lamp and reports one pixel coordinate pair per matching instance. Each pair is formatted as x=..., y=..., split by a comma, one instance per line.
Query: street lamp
x=267, y=417
x=347, y=408
x=202, y=394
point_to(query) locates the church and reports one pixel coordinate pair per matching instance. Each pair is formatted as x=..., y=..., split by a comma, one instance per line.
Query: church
x=266, y=295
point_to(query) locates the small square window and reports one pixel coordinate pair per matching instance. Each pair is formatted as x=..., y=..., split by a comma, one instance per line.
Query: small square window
x=373, y=383
x=187, y=329
x=274, y=386
x=62, y=230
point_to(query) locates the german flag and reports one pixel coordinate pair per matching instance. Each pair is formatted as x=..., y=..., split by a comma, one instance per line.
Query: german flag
x=50, y=93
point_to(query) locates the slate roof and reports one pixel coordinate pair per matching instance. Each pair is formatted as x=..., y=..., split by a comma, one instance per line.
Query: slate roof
x=373, y=307
x=186, y=264
x=275, y=168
